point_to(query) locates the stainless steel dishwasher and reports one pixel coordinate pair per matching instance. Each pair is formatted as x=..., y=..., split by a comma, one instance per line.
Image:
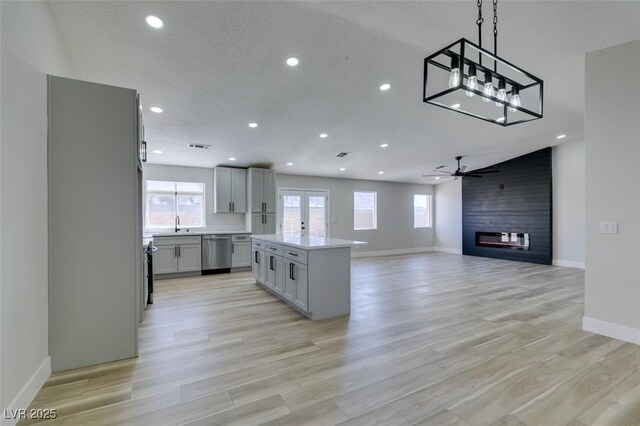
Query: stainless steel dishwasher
x=216, y=253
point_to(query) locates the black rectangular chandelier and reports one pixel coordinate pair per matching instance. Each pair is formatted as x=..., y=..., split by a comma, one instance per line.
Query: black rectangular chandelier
x=465, y=78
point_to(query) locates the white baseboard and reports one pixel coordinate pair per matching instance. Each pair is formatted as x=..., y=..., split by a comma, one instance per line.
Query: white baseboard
x=394, y=252
x=568, y=263
x=448, y=250
x=28, y=391
x=609, y=329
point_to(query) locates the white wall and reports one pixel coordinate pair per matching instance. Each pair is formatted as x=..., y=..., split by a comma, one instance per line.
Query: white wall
x=569, y=204
x=214, y=221
x=612, y=146
x=448, y=220
x=395, y=211
x=32, y=47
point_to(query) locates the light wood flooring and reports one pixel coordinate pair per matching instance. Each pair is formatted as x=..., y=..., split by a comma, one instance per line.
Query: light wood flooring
x=433, y=339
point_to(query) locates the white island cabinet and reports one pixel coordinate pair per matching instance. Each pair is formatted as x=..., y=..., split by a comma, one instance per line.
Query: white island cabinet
x=311, y=274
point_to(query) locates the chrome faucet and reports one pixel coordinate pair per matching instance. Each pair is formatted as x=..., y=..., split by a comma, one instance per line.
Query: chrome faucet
x=177, y=223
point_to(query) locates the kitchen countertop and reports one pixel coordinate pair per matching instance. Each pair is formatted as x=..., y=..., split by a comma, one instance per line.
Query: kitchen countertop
x=308, y=243
x=191, y=233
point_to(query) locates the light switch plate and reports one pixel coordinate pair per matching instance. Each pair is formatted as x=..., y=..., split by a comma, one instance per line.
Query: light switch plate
x=608, y=227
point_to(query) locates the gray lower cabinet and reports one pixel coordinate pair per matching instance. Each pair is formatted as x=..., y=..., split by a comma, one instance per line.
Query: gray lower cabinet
x=165, y=260
x=177, y=255
x=296, y=278
x=240, y=250
x=275, y=273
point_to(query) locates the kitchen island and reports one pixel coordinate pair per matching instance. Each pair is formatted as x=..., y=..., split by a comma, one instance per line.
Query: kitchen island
x=311, y=274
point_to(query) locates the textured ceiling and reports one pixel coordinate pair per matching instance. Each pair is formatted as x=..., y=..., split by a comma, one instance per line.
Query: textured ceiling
x=216, y=66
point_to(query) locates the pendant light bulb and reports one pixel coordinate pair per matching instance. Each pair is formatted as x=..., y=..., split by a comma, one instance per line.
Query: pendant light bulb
x=472, y=81
x=502, y=92
x=454, y=76
x=488, y=90
x=515, y=99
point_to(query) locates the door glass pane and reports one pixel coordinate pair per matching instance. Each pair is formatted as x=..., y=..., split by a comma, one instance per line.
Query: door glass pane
x=317, y=216
x=291, y=215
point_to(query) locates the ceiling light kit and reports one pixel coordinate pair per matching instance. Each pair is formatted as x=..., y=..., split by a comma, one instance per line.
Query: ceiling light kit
x=154, y=21
x=517, y=94
x=385, y=86
x=289, y=164
x=292, y=62
x=253, y=125
x=157, y=151
x=384, y=145
x=155, y=109
x=561, y=136
x=323, y=135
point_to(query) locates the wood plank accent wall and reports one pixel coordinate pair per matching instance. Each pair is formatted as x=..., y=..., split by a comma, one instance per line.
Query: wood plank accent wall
x=524, y=205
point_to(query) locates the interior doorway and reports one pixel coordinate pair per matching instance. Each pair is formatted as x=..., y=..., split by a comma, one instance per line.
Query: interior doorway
x=303, y=213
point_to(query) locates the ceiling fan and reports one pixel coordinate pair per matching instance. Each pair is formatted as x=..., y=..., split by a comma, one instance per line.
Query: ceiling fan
x=460, y=171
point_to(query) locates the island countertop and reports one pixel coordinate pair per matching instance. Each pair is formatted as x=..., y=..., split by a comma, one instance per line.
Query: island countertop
x=307, y=243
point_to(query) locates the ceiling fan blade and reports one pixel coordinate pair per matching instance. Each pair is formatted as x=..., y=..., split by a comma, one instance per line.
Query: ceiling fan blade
x=463, y=168
x=440, y=176
x=472, y=175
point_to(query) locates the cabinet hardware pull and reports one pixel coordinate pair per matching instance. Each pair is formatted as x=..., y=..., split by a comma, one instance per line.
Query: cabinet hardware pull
x=294, y=254
x=233, y=206
x=257, y=257
x=229, y=205
x=233, y=248
x=293, y=272
x=271, y=263
x=179, y=251
x=175, y=251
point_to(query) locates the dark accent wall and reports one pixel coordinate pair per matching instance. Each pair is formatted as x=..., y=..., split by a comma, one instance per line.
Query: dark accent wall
x=523, y=205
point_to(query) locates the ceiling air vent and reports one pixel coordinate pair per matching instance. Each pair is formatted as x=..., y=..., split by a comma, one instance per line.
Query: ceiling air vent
x=342, y=154
x=199, y=146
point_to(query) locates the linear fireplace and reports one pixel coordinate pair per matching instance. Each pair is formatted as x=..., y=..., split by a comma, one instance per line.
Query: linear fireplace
x=503, y=240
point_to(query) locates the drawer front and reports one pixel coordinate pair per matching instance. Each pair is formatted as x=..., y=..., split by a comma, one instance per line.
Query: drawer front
x=166, y=241
x=274, y=249
x=259, y=245
x=240, y=237
x=295, y=254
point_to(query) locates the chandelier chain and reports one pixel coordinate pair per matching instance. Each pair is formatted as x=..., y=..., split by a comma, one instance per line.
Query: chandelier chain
x=479, y=22
x=495, y=33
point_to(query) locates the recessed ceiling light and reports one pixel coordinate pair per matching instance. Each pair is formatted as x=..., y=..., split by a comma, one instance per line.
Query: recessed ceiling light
x=292, y=62
x=232, y=158
x=455, y=106
x=323, y=135
x=154, y=21
x=342, y=169
x=157, y=110
x=384, y=87
x=384, y=145
x=253, y=125
x=380, y=172
x=289, y=164
x=500, y=120
x=562, y=136
x=157, y=151
x=437, y=177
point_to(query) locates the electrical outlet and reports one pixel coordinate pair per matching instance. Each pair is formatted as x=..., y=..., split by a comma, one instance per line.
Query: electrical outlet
x=230, y=221
x=608, y=227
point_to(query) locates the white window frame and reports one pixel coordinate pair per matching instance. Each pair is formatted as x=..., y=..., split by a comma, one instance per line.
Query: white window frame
x=204, y=204
x=429, y=224
x=375, y=210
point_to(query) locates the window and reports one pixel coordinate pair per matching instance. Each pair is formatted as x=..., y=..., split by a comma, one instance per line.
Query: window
x=364, y=210
x=421, y=211
x=167, y=200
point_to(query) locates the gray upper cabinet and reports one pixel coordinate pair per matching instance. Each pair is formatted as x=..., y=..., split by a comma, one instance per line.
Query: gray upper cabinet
x=95, y=238
x=262, y=187
x=230, y=187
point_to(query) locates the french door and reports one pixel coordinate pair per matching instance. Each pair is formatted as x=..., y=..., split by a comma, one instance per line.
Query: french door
x=304, y=213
